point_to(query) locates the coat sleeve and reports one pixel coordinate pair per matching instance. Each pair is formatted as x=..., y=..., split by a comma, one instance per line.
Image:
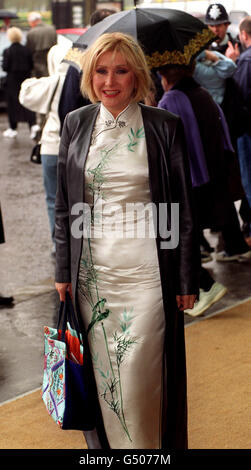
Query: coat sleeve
x=29, y=42
x=5, y=64
x=62, y=213
x=242, y=77
x=187, y=252
x=36, y=93
x=223, y=68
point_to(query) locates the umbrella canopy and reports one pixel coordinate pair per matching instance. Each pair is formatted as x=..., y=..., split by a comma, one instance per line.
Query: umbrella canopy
x=167, y=36
x=7, y=14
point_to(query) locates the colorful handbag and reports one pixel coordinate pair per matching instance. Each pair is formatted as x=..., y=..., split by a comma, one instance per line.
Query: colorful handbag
x=66, y=390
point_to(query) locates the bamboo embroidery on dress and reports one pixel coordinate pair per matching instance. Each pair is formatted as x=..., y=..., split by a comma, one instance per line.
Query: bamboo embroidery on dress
x=133, y=138
x=110, y=374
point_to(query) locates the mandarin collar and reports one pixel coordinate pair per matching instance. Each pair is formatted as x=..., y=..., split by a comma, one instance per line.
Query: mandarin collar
x=107, y=119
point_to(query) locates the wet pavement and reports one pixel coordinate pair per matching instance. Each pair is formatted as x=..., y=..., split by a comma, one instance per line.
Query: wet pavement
x=27, y=269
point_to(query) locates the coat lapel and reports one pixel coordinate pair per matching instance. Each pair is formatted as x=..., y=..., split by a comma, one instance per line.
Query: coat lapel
x=157, y=154
x=86, y=123
x=79, y=148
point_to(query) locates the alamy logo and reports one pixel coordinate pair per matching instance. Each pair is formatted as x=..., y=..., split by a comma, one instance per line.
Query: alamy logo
x=131, y=220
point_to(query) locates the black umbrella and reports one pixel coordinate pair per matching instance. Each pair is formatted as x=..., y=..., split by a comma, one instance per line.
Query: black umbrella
x=167, y=36
x=7, y=14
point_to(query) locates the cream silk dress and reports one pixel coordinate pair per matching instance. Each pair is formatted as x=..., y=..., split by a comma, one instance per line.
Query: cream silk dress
x=119, y=283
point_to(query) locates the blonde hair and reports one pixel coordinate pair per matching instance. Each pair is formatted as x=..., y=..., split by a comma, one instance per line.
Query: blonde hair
x=14, y=34
x=130, y=50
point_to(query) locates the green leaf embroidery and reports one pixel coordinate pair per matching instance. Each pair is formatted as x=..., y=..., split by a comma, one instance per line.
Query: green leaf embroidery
x=100, y=317
x=105, y=376
x=140, y=133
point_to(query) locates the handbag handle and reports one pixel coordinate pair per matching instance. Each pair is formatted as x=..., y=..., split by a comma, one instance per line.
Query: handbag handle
x=67, y=314
x=53, y=95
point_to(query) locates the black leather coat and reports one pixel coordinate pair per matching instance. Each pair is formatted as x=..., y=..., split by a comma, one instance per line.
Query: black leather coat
x=179, y=268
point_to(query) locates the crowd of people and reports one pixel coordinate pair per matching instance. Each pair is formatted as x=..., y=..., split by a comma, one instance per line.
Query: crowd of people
x=21, y=61
x=191, y=146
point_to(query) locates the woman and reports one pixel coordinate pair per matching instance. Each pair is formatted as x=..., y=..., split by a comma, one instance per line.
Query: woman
x=17, y=62
x=128, y=289
x=184, y=96
x=208, y=162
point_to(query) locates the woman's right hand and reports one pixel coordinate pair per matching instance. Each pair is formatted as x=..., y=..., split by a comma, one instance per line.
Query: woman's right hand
x=62, y=287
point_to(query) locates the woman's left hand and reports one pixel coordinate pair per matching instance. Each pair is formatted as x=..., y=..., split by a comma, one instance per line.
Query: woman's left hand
x=185, y=302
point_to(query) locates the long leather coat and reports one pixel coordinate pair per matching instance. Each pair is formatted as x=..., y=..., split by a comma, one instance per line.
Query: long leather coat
x=169, y=179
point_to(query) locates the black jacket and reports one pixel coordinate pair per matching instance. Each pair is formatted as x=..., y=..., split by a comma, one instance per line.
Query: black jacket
x=17, y=62
x=71, y=97
x=179, y=268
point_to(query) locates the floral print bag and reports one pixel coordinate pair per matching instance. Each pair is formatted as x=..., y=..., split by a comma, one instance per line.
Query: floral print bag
x=65, y=381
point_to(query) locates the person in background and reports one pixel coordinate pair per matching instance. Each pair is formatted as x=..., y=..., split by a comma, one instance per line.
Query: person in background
x=34, y=93
x=129, y=290
x=17, y=62
x=100, y=14
x=243, y=79
x=71, y=97
x=218, y=21
x=201, y=117
x=39, y=40
x=233, y=105
x=211, y=70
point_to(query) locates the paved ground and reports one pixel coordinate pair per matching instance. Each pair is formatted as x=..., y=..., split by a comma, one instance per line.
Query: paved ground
x=27, y=269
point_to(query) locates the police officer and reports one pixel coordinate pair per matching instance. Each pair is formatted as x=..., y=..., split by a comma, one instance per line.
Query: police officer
x=218, y=21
